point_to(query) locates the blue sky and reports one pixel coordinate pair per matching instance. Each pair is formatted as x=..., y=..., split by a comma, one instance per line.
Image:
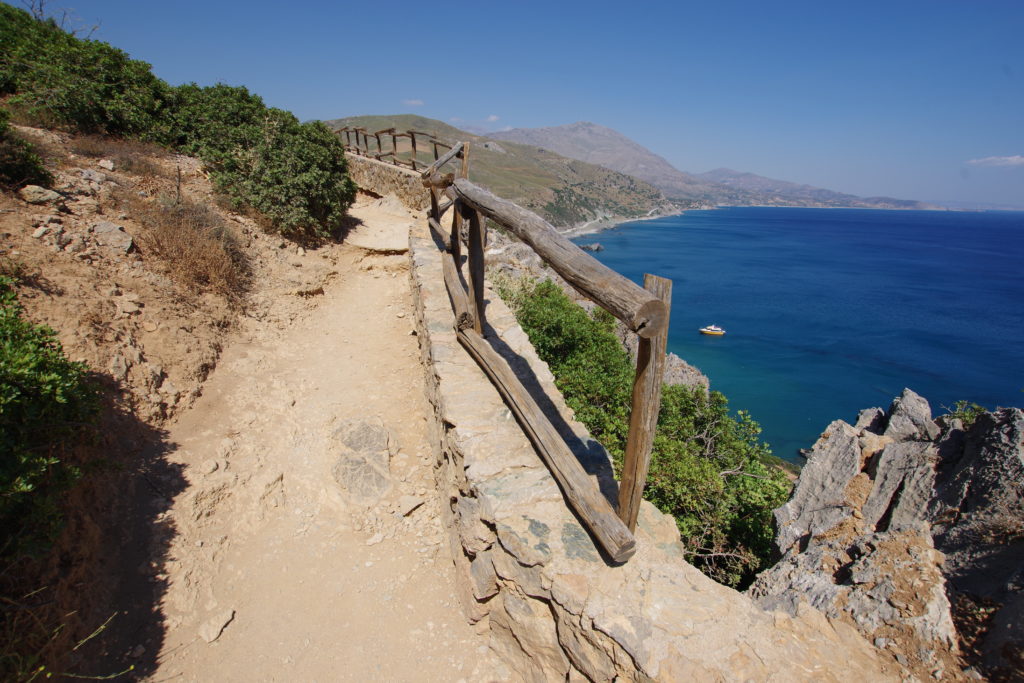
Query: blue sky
x=912, y=99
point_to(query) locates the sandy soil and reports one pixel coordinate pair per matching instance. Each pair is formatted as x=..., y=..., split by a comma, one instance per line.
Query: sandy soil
x=219, y=545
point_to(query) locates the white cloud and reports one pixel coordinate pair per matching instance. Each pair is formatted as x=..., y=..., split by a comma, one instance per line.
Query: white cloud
x=413, y=103
x=1015, y=160
x=492, y=118
x=455, y=119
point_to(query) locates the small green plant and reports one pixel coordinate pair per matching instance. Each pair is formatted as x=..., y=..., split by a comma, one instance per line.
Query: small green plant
x=966, y=412
x=46, y=403
x=708, y=467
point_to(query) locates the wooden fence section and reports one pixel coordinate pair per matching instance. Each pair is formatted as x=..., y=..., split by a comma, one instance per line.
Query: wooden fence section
x=645, y=310
x=364, y=143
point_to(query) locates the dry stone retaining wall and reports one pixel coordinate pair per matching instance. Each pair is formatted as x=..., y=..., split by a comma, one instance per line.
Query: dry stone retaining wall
x=384, y=179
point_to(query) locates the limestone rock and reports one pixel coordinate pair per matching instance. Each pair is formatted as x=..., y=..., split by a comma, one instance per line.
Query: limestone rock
x=34, y=194
x=897, y=513
x=113, y=236
x=888, y=583
x=978, y=523
x=819, y=501
x=679, y=372
x=106, y=164
x=903, y=482
x=910, y=417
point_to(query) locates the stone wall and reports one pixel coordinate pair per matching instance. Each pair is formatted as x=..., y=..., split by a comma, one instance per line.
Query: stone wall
x=383, y=179
x=555, y=607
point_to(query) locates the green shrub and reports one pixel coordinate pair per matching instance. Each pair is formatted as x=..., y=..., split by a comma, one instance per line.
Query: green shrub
x=56, y=79
x=708, y=468
x=19, y=164
x=46, y=401
x=293, y=173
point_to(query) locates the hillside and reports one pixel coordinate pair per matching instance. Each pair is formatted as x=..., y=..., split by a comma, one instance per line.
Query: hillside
x=611, y=149
x=566, y=191
x=599, y=145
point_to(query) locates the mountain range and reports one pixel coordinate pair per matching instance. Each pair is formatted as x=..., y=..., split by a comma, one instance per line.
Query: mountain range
x=606, y=147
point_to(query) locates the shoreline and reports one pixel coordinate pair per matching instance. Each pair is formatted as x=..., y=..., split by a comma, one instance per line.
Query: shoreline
x=601, y=224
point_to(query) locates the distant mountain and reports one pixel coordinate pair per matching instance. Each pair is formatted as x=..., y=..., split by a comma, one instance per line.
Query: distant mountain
x=606, y=147
x=781, y=192
x=565, y=191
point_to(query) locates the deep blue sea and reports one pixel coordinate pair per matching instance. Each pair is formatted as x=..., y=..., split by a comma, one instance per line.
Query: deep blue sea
x=828, y=311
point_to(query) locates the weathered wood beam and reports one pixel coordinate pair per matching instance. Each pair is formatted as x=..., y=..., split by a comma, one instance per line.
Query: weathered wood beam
x=448, y=156
x=643, y=417
x=435, y=226
x=444, y=207
x=452, y=281
x=582, y=493
x=642, y=312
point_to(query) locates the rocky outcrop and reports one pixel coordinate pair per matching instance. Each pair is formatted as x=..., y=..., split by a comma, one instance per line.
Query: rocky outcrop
x=895, y=518
x=531, y=576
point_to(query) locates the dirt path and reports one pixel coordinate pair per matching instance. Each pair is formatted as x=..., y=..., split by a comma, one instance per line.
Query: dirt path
x=276, y=571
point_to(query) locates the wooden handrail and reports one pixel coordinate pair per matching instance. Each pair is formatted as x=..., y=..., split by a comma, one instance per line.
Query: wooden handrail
x=448, y=156
x=644, y=310
x=641, y=311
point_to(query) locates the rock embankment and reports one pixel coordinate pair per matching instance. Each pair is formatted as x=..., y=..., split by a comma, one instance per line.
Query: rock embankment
x=911, y=529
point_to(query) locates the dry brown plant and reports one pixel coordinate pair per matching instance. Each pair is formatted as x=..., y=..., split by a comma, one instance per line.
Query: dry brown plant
x=199, y=250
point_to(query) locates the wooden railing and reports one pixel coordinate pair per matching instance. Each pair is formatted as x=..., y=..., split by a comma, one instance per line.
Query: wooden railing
x=645, y=310
x=373, y=145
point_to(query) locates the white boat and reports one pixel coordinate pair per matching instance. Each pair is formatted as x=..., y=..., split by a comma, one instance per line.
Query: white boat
x=713, y=330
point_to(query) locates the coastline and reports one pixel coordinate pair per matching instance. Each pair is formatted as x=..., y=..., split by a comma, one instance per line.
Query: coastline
x=601, y=224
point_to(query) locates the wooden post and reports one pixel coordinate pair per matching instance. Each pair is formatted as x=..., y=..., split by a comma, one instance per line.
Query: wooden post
x=476, y=268
x=456, y=241
x=412, y=136
x=464, y=171
x=643, y=417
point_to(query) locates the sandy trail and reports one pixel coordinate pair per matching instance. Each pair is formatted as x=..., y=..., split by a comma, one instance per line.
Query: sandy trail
x=284, y=573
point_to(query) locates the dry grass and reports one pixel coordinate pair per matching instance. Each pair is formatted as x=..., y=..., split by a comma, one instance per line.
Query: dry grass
x=192, y=240
x=131, y=156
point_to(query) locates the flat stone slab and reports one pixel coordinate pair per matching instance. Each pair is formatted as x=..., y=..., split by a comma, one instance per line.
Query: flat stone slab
x=384, y=237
